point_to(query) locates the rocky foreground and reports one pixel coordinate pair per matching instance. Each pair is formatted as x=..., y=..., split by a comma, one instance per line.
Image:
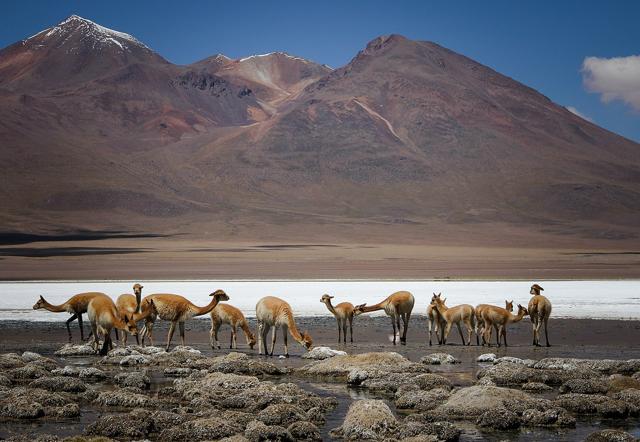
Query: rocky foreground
x=237, y=397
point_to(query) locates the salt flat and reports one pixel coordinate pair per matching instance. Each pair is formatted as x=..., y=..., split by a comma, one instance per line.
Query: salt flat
x=572, y=299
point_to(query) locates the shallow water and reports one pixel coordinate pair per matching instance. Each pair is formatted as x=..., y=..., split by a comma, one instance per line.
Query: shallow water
x=574, y=299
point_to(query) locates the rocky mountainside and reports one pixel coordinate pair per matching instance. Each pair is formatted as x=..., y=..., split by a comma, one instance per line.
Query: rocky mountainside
x=406, y=140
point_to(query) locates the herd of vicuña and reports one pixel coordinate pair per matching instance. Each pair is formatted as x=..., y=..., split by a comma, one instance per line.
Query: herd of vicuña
x=273, y=313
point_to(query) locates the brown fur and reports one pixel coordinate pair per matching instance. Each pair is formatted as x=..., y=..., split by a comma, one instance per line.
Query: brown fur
x=228, y=314
x=177, y=309
x=343, y=312
x=104, y=316
x=76, y=306
x=480, y=327
x=275, y=312
x=397, y=305
x=463, y=313
x=500, y=318
x=539, y=311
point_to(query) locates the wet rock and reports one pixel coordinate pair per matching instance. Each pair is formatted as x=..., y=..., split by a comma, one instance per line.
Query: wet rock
x=429, y=381
x=487, y=357
x=618, y=382
x=474, y=401
x=76, y=350
x=92, y=374
x=238, y=363
x=29, y=371
x=380, y=380
x=133, y=360
x=547, y=418
x=4, y=381
x=320, y=353
x=367, y=419
x=257, y=431
x=605, y=366
x=536, y=387
x=178, y=372
x=146, y=350
x=120, y=398
x=304, y=431
x=185, y=349
x=21, y=408
x=235, y=438
x=165, y=419
x=136, y=379
x=630, y=396
x=422, y=400
x=580, y=403
x=29, y=356
x=442, y=431
x=59, y=383
x=10, y=360
x=340, y=366
x=127, y=426
x=65, y=412
x=211, y=428
x=281, y=414
x=499, y=419
x=67, y=370
x=507, y=374
x=585, y=386
x=613, y=408
x=517, y=361
x=439, y=359
x=610, y=436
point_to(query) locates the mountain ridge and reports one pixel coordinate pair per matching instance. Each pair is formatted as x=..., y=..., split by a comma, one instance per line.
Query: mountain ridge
x=408, y=135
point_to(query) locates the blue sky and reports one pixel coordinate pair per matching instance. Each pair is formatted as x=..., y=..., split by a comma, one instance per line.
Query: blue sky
x=542, y=44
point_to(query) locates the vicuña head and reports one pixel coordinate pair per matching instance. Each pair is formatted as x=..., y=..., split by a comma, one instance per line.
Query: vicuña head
x=130, y=324
x=39, y=304
x=508, y=305
x=435, y=298
x=535, y=289
x=522, y=310
x=137, y=289
x=359, y=309
x=326, y=298
x=305, y=340
x=220, y=295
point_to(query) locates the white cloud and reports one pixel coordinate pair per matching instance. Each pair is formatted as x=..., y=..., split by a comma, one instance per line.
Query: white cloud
x=614, y=78
x=575, y=111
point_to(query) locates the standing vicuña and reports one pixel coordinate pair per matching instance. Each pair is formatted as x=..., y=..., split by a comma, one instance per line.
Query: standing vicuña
x=480, y=326
x=275, y=312
x=177, y=309
x=104, y=316
x=76, y=306
x=343, y=312
x=539, y=311
x=455, y=315
x=397, y=305
x=228, y=314
x=434, y=321
x=500, y=318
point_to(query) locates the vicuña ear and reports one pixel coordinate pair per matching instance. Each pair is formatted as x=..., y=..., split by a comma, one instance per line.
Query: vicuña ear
x=41, y=298
x=126, y=318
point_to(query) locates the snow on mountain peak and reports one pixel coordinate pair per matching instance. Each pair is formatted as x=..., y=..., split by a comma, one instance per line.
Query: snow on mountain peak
x=98, y=36
x=284, y=54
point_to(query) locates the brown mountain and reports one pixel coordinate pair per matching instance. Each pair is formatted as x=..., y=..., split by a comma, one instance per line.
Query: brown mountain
x=408, y=142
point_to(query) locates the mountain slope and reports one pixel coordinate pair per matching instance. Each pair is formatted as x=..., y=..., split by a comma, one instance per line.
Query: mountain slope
x=407, y=142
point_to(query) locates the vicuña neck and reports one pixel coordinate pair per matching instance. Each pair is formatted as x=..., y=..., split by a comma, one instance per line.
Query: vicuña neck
x=330, y=306
x=373, y=308
x=55, y=308
x=292, y=327
x=198, y=311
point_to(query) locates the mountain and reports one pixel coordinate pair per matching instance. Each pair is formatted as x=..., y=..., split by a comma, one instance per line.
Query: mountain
x=407, y=142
